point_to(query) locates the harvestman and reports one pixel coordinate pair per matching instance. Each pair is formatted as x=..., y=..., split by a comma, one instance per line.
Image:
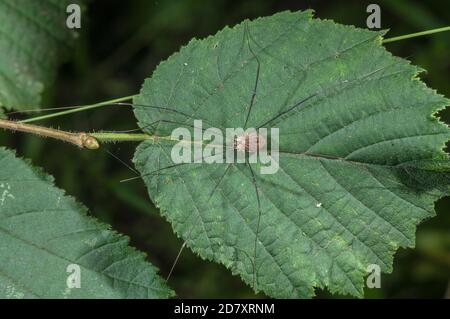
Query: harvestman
x=245, y=143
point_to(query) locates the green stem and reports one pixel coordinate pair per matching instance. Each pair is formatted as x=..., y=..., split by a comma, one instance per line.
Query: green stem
x=78, y=109
x=107, y=137
x=417, y=34
x=123, y=137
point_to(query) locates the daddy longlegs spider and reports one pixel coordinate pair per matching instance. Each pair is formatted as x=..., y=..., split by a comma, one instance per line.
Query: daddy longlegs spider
x=244, y=143
x=247, y=144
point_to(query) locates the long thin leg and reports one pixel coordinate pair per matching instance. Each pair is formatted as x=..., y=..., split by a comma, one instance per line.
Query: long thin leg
x=164, y=109
x=176, y=259
x=288, y=110
x=152, y=124
x=255, y=250
x=163, y=168
x=219, y=181
x=252, y=101
x=173, y=122
x=179, y=252
x=304, y=100
x=184, y=243
x=127, y=131
x=154, y=172
x=258, y=67
x=154, y=107
x=122, y=161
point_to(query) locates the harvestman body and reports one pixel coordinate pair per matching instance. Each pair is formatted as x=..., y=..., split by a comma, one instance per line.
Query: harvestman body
x=249, y=142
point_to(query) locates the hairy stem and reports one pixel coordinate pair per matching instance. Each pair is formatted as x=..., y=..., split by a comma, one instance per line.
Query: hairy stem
x=82, y=140
x=106, y=137
x=123, y=137
x=417, y=34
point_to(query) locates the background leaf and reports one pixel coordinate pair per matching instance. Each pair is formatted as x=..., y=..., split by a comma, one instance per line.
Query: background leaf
x=43, y=231
x=34, y=40
x=348, y=192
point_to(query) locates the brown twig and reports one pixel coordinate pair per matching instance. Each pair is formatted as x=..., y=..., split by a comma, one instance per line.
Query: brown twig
x=82, y=140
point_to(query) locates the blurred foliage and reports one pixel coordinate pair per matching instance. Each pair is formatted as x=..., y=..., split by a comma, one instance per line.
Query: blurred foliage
x=120, y=44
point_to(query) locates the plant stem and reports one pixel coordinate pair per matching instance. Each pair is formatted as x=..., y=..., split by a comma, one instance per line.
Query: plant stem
x=82, y=140
x=78, y=109
x=112, y=137
x=123, y=137
x=417, y=34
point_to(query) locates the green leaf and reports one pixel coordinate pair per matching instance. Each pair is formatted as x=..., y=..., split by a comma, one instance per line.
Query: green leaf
x=361, y=159
x=34, y=40
x=43, y=231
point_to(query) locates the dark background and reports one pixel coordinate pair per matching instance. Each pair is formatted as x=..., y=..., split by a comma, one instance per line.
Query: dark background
x=120, y=44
